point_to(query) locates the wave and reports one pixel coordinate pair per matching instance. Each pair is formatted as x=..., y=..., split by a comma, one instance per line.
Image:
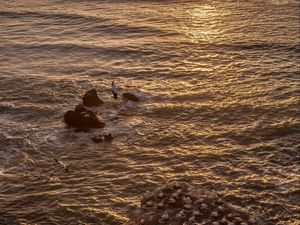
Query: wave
x=72, y=47
x=52, y=15
x=287, y=47
x=95, y=24
x=129, y=30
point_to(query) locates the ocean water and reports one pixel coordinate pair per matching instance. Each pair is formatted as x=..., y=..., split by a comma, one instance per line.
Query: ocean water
x=219, y=83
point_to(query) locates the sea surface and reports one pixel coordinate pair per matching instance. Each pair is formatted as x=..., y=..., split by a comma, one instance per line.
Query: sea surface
x=219, y=84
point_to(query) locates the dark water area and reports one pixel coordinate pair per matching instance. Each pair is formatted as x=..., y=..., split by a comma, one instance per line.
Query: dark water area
x=219, y=83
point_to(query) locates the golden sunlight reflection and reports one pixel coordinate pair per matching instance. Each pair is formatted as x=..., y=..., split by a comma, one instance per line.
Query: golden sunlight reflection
x=206, y=117
x=201, y=23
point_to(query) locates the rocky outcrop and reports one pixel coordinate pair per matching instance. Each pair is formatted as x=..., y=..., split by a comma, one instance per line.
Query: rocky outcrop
x=91, y=98
x=130, y=96
x=83, y=118
x=178, y=203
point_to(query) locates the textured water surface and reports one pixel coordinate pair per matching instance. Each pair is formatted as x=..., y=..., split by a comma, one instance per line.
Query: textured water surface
x=219, y=83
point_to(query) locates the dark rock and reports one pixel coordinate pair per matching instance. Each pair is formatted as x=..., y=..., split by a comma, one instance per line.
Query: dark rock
x=83, y=118
x=91, y=98
x=130, y=97
x=97, y=139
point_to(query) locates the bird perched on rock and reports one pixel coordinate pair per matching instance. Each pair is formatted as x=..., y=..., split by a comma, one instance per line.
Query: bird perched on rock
x=114, y=89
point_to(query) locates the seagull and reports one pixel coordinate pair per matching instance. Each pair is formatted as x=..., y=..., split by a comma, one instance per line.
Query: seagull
x=114, y=90
x=65, y=166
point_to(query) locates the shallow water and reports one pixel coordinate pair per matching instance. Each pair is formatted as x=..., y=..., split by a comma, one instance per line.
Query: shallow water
x=219, y=83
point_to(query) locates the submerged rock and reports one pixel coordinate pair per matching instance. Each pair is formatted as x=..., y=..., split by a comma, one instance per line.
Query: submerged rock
x=91, y=98
x=97, y=139
x=188, y=206
x=130, y=96
x=83, y=118
x=100, y=138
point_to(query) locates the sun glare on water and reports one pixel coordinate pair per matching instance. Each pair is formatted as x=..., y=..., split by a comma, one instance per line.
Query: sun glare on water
x=200, y=24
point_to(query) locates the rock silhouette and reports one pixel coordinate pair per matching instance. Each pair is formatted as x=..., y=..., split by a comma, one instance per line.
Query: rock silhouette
x=130, y=96
x=91, y=98
x=83, y=118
